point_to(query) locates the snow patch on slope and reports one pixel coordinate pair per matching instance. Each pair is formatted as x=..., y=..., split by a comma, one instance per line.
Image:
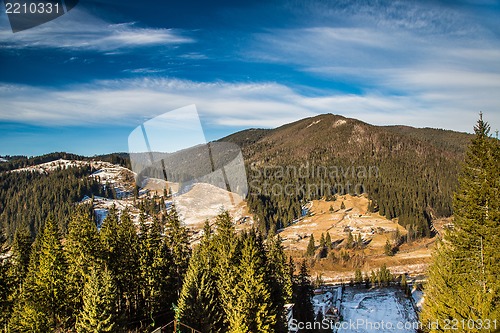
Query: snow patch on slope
x=205, y=201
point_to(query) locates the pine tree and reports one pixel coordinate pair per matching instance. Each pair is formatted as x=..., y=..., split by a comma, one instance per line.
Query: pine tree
x=388, y=248
x=42, y=304
x=358, y=276
x=280, y=280
x=98, y=312
x=199, y=301
x=328, y=241
x=128, y=263
x=13, y=271
x=342, y=205
x=6, y=285
x=373, y=278
x=177, y=241
x=155, y=262
x=322, y=242
x=226, y=249
x=311, y=247
x=82, y=249
x=20, y=256
x=350, y=240
x=302, y=296
x=359, y=241
x=252, y=310
x=404, y=284
x=463, y=277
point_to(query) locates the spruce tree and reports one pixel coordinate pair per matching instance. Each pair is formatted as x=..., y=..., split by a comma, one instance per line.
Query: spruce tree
x=42, y=305
x=226, y=248
x=6, y=285
x=155, y=262
x=311, y=247
x=13, y=271
x=350, y=240
x=358, y=276
x=20, y=256
x=177, y=241
x=463, y=277
x=252, y=310
x=280, y=280
x=199, y=301
x=82, y=249
x=328, y=241
x=98, y=311
x=322, y=242
x=128, y=263
x=302, y=296
x=388, y=248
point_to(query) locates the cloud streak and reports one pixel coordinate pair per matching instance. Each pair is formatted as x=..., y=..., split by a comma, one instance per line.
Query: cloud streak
x=403, y=56
x=223, y=104
x=80, y=31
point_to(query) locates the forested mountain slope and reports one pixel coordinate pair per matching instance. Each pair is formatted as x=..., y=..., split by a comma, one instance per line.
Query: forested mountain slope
x=407, y=172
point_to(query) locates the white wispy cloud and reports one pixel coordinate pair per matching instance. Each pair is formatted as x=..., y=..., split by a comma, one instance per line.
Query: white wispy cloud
x=78, y=30
x=130, y=102
x=404, y=56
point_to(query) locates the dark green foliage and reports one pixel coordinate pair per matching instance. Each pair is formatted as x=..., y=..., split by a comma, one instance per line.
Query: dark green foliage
x=463, y=277
x=199, y=301
x=97, y=314
x=328, y=241
x=42, y=306
x=280, y=279
x=128, y=268
x=358, y=276
x=324, y=245
x=311, y=247
x=155, y=264
x=178, y=242
x=388, y=248
x=6, y=286
x=252, y=310
x=13, y=271
x=322, y=242
x=402, y=159
x=83, y=250
x=16, y=162
x=350, y=241
x=236, y=283
x=404, y=285
x=302, y=296
x=27, y=198
x=384, y=276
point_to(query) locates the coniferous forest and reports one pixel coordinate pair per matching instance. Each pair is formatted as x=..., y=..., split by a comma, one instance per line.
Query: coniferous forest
x=463, y=286
x=407, y=173
x=59, y=272
x=120, y=279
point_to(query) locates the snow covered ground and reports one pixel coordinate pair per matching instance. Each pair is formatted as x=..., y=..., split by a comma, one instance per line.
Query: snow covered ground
x=377, y=310
x=205, y=201
x=54, y=165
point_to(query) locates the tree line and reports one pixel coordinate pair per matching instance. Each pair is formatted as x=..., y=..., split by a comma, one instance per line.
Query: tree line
x=116, y=279
x=129, y=277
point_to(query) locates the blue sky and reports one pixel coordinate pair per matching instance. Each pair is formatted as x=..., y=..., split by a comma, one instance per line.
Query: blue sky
x=83, y=82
